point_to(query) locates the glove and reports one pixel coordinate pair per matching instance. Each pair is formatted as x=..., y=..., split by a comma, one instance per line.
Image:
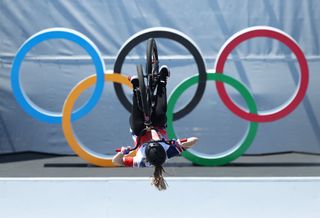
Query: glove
x=125, y=150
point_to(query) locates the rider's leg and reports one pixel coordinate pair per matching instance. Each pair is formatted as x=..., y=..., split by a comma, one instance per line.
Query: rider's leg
x=159, y=117
x=136, y=118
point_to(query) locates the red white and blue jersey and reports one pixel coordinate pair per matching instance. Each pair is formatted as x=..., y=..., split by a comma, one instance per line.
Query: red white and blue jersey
x=172, y=149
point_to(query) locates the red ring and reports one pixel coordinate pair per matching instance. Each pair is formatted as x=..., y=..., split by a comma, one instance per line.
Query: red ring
x=285, y=39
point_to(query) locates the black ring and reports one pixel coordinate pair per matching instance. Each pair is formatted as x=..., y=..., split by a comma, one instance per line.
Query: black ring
x=161, y=32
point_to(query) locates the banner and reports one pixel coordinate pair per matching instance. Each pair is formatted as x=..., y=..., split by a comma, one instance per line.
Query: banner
x=267, y=68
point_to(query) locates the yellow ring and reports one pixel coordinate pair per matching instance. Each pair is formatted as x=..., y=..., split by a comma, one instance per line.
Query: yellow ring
x=81, y=150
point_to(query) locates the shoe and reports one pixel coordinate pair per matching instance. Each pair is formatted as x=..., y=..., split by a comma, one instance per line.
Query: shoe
x=134, y=81
x=188, y=142
x=164, y=73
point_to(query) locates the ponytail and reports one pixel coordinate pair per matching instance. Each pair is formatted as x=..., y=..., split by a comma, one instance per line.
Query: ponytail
x=158, y=180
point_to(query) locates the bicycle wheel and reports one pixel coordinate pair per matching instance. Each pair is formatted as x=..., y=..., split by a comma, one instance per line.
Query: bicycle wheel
x=143, y=92
x=152, y=64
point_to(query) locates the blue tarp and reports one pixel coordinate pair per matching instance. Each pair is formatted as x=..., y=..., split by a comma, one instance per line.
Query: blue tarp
x=265, y=66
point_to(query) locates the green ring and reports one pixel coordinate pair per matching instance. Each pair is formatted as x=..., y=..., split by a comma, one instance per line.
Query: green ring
x=237, y=150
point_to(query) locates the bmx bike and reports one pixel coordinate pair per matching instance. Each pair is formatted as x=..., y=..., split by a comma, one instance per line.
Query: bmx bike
x=148, y=81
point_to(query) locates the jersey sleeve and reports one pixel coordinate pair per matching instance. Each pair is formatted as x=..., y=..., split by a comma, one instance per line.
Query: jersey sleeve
x=135, y=162
x=175, y=149
x=139, y=162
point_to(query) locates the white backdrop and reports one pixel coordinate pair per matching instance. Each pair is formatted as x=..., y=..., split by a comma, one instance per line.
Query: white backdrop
x=104, y=197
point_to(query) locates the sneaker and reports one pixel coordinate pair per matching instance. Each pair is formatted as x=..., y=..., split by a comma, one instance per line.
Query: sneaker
x=164, y=73
x=134, y=81
x=188, y=142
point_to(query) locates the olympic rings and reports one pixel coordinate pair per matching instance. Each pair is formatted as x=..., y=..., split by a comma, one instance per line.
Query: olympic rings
x=177, y=36
x=249, y=33
x=75, y=144
x=237, y=150
x=68, y=116
x=56, y=33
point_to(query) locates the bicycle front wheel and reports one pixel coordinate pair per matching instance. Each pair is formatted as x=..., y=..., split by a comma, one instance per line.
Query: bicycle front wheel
x=143, y=93
x=152, y=64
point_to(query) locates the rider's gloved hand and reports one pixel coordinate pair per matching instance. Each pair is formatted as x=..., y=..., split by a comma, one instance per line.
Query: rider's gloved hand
x=125, y=150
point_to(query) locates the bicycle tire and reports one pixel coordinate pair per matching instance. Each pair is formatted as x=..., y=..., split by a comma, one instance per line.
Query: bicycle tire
x=152, y=63
x=143, y=92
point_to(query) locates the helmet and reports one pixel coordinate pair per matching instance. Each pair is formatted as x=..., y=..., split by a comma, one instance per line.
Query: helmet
x=155, y=153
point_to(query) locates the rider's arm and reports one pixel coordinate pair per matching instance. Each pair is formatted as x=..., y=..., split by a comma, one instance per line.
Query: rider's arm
x=180, y=145
x=187, y=142
x=117, y=160
x=123, y=161
x=120, y=160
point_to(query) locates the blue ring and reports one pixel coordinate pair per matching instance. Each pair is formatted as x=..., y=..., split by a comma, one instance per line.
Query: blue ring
x=56, y=33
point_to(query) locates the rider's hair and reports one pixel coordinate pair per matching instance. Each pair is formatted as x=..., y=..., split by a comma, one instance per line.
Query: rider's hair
x=156, y=155
x=158, y=180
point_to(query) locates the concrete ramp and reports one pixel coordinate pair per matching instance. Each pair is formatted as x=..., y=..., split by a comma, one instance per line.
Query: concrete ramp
x=272, y=197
